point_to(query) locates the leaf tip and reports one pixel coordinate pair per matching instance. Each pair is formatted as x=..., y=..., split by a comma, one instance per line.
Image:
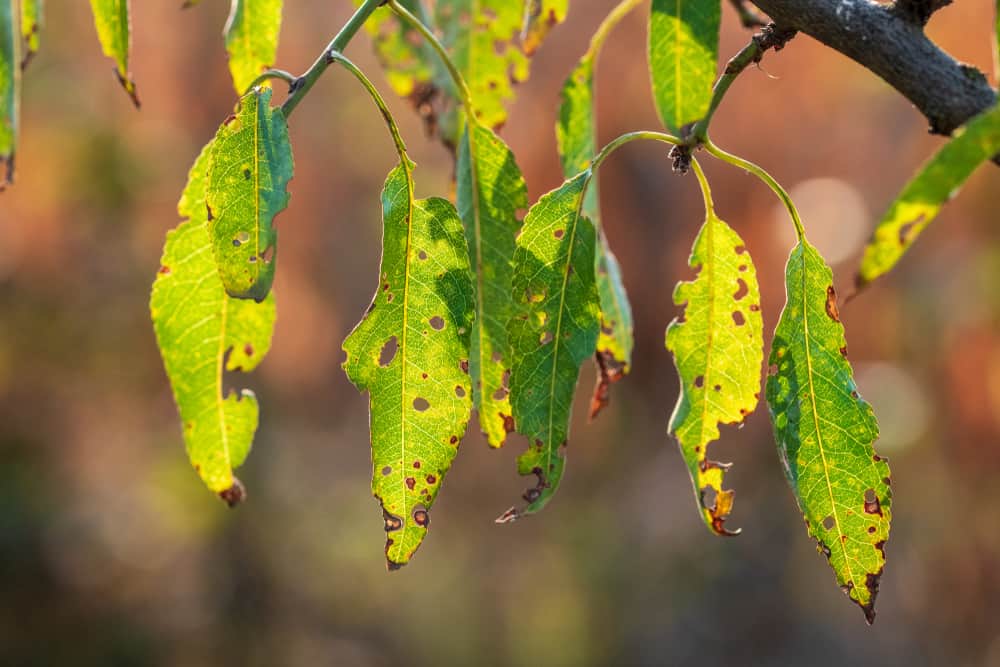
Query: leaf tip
x=235, y=494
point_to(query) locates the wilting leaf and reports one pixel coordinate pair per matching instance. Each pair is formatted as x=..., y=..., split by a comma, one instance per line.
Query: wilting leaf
x=937, y=182
x=32, y=12
x=10, y=86
x=540, y=16
x=825, y=431
x=408, y=65
x=491, y=191
x=202, y=333
x=114, y=30
x=718, y=347
x=251, y=165
x=251, y=34
x=411, y=353
x=683, y=51
x=576, y=137
x=553, y=332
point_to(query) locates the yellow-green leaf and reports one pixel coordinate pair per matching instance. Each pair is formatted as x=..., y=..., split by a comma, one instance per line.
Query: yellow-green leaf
x=553, y=332
x=408, y=66
x=251, y=34
x=491, y=191
x=411, y=353
x=825, y=432
x=718, y=347
x=10, y=86
x=937, y=182
x=540, y=16
x=202, y=334
x=114, y=30
x=32, y=13
x=683, y=55
x=251, y=164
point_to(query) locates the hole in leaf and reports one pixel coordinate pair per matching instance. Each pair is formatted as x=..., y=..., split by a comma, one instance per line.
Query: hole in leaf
x=240, y=239
x=829, y=523
x=738, y=318
x=500, y=394
x=437, y=322
x=420, y=404
x=388, y=352
x=741, y=289
x=268, y=254
x=422, y=255
x=460, y=391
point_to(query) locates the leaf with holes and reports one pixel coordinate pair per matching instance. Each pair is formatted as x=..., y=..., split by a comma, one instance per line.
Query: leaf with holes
x=31, y=26
x=251, y=35
x=576, y=137
x=10, y=87
x=938, y=181
x=718, y=347
x=540, y=16
x=411, y=353
x=114, y=30
x=554, y=330
x=825, y=431
x=683, y=52
x=491, y=191
x=408, y=63
x=203, y=333
x=251, y=164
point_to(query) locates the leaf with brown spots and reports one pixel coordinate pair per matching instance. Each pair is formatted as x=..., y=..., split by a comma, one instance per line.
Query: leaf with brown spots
x=718, y=347
x=826, y=431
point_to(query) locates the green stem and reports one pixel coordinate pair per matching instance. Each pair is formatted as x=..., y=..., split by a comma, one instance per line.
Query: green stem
x=629, y=138
x=287, y=77
x=764, y=176
x=749, y=54
x=397, y=138
x=609, y=23
x=706, y=191
x=463, y=89
x=305, y=82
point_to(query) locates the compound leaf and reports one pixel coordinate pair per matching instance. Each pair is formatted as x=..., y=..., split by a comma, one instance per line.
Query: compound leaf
x=683, y=51
x=32, y=12
x=553, y=332
x=937, y=182
x=251, y=164
x=202, y=333
x=10, y=86
x=251, y=35
x=114, y=30
x=718, y=347
x=491, y=191
x=411, y=353
x=825, y=431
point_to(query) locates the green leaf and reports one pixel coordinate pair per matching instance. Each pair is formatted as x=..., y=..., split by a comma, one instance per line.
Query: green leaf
x=408, y=65
x=411, y=353
x=683, y=51
x=825, y=431
x=937, y=182
x=576, y=133
x=540, y=16
x=491, y=191
x=554, y=331
x=718, y=347
x=114, y=30
x=251, y=34
x=32, y=12
x=251, y=165
x=10, y=86
x=202, y=333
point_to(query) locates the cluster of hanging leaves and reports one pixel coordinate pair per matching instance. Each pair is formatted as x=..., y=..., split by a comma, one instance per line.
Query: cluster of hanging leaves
x=478, y=305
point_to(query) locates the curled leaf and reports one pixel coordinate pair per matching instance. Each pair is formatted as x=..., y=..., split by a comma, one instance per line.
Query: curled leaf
x=114, y=30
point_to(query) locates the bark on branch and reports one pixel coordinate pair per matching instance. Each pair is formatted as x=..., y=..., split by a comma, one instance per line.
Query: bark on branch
x=889, y=40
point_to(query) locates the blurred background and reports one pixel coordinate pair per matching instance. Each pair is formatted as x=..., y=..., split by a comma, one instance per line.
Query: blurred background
x=113, y=553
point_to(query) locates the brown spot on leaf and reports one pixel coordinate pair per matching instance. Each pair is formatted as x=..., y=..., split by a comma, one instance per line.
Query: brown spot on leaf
x=411, y=483
x=235, y=494
x=872, y=505
x=741, y=289
x=392, y=522
x=907, y=229
x=738, y=318
x=508, y=422
x=165, y=270
x=421, y=517
x=387, y=470
x=831, y=304
x=609, y=372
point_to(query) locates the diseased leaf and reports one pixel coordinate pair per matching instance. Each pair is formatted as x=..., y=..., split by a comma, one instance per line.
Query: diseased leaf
x=491, y=191
x=683, y=52
x=411, y=353
x=937, y=182
x=408, y=66
x=825, y=431
x=32, y=12
x=553, y=332
x=10, y=87
x=718, y=347
x=114, y=30
x=540, y=16
x=576, y=137
x=202, y=333
x=251, y=34
x=251, y=164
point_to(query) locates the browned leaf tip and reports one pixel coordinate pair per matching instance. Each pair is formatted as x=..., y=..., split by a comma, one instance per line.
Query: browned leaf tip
x=235, y=494
x=609, y=371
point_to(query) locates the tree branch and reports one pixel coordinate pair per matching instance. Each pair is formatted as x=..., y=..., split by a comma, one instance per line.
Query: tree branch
x=889, y=40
